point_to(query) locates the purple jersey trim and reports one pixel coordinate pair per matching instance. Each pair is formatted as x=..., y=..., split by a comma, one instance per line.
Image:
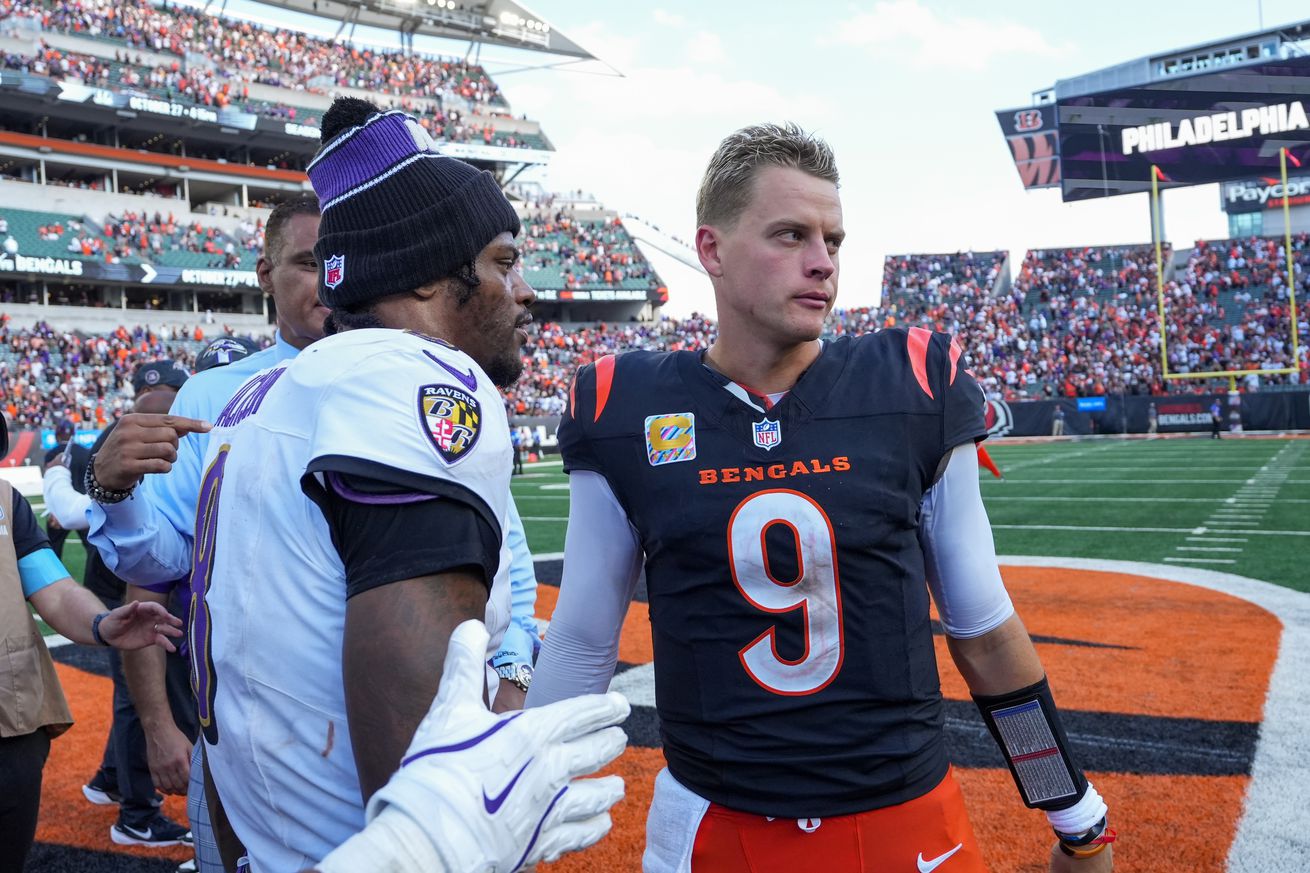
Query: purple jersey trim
x=355, y=496
x=469, y=380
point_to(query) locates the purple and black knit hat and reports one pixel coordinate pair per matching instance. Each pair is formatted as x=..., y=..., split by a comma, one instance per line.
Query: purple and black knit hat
x=396, y=214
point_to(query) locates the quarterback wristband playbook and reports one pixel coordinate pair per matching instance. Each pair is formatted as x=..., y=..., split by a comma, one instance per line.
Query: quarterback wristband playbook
x=1026, y=725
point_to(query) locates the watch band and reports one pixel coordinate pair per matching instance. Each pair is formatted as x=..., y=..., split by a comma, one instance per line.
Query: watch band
x=95, y=629
x=520, y=675
x=98, y=492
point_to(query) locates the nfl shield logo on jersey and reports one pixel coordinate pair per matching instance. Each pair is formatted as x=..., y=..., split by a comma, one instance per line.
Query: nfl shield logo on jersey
x=334, y=271
x=766, y=433
x=670, y=438
x=452, y=419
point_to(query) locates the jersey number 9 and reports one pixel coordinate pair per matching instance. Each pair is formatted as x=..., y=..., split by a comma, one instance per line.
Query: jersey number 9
x=203, y=681
x=815, y=590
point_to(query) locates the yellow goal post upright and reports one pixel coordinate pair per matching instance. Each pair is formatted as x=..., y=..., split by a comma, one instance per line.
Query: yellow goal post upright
x=1157, y=234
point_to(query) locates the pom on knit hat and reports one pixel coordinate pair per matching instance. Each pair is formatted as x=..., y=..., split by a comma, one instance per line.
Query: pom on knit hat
x=396, y=214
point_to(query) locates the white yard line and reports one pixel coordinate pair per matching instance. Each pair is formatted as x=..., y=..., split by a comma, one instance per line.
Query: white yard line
x=1107, y=482
x=1182, y=530
x=1257, y=495
x=1239, y=508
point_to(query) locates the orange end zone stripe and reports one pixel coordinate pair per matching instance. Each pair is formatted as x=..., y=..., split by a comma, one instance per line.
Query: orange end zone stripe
x=66, y=816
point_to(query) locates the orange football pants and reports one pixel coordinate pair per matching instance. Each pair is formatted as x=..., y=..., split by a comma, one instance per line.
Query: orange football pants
x=930, y=834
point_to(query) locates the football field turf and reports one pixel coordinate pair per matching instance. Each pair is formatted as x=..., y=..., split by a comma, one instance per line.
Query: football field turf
x=1238, y=505
x=1181, y=680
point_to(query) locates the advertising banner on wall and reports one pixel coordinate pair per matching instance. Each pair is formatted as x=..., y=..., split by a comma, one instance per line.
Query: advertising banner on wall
x=1176, y=413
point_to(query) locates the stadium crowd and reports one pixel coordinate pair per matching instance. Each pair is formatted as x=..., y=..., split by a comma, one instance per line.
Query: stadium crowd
x=560, y=251
x=1075, y=322
x=442, y=92
x=586, y=254
x=48, y=375
x=1085, y=321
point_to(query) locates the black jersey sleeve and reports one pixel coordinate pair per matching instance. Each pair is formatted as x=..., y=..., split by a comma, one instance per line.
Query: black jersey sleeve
x=27, y=533
x=388, y=531
x=963, y=413
x=587, y=396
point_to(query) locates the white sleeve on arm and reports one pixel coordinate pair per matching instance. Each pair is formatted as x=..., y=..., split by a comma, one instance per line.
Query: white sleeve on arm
x=959, y=553
x=602, y=563
x=61, y=498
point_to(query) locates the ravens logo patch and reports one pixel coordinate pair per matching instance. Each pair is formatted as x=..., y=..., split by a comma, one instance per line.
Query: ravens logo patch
x=452, y=419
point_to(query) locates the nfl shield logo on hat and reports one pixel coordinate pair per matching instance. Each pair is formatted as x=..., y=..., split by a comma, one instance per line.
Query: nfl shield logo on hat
x=766, y=433
x=334, y=271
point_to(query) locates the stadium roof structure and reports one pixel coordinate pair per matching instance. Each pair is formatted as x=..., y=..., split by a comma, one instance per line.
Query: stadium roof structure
x=1262, y=45
x=492, y=22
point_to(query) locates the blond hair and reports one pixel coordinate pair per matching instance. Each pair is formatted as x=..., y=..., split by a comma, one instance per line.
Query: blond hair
x=725, y=190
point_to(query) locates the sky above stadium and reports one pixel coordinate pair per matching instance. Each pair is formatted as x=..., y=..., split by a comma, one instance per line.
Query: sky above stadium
x=905, y=91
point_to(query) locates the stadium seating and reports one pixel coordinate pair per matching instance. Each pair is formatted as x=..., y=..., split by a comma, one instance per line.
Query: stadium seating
x=47, y=376
x=128, y=237
x=454, y=99
x=1075, y=322
x=564, y=252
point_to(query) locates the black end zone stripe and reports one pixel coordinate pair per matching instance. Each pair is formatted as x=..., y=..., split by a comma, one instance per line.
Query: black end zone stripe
x=1106, y=742
x=53, y=857
x=90, y=659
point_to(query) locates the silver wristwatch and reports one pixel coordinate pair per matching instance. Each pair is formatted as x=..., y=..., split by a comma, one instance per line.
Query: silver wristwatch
x=519, y=674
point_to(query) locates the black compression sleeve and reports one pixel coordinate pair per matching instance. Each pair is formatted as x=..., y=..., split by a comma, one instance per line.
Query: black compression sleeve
x=385, y=534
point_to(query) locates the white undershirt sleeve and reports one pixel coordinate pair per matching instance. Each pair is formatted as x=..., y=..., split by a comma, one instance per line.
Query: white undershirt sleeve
x=602, y=564
x=62, y=499
x=959, y=552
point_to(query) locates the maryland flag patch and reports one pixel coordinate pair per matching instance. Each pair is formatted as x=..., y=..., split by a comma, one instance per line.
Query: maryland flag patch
x=452, y=419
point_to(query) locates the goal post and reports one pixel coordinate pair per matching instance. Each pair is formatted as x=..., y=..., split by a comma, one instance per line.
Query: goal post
x=1157, y=232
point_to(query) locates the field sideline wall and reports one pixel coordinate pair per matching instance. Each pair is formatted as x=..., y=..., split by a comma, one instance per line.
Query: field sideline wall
x=1175, y=413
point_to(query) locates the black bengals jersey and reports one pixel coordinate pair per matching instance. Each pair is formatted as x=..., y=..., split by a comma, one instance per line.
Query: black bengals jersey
x=794, y=665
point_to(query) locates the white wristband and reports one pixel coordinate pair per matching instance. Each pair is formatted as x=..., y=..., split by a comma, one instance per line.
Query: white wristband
x=391, y=843
x=1080, y=817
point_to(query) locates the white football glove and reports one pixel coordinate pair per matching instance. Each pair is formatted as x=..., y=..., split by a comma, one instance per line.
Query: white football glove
x=494, y=793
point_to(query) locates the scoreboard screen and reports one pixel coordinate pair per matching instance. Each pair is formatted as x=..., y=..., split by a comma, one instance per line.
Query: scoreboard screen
x=1212, y=127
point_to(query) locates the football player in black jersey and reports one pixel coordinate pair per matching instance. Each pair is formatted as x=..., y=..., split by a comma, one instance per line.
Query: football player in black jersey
x=788, y=499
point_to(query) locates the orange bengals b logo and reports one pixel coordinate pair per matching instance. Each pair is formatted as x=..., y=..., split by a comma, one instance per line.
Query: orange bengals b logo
x=1028, y=120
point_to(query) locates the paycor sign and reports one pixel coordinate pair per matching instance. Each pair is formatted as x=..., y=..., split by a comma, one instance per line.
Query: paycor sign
x=1252, y=195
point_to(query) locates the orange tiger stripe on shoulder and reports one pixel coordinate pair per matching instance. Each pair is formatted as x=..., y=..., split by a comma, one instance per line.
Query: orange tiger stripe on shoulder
x=917, y=339
x=604, y=382
x=956, y=351
x=573, y=396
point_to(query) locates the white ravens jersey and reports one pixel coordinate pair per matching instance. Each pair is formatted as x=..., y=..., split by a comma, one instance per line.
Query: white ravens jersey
x=267, y=636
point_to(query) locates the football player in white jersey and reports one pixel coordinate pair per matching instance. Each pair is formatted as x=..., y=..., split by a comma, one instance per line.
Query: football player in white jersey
x=352, y=515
